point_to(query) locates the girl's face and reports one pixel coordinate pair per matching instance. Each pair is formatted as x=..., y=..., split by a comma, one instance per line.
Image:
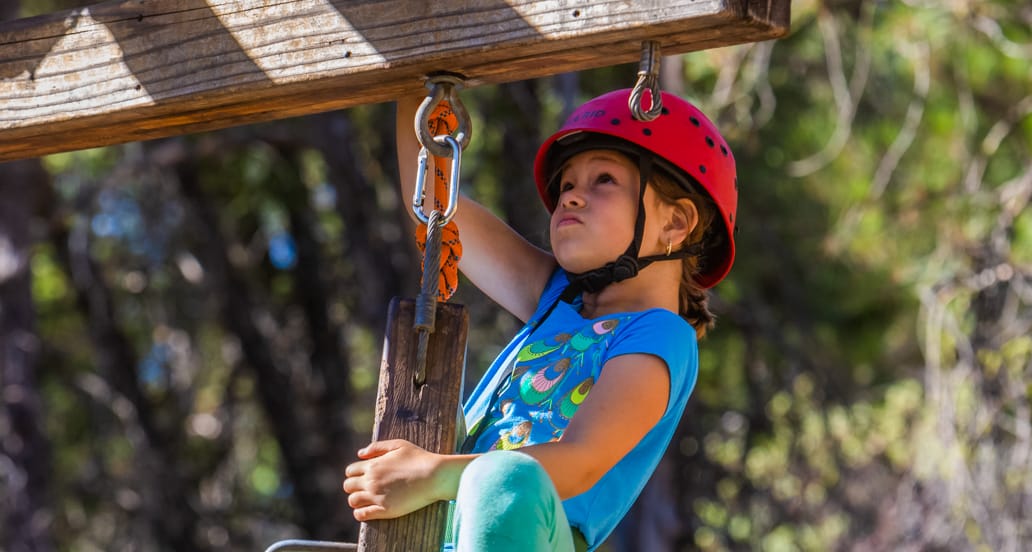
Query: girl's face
x=593, y=222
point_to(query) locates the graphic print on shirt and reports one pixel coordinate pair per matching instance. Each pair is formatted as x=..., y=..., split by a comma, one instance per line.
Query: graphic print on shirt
x=550, y=380
x=514, y=438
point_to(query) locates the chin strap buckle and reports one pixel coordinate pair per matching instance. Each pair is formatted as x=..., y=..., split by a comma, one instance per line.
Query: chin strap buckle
x=594, y=281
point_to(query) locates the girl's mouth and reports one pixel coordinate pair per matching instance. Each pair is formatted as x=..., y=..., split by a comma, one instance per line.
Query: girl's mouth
x=566, y=220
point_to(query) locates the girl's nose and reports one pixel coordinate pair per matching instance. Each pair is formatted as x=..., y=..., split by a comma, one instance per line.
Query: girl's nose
x=571, y=198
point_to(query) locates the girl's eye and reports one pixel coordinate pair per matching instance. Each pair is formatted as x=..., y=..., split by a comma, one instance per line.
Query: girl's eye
x=605, y=178
x=565, y=186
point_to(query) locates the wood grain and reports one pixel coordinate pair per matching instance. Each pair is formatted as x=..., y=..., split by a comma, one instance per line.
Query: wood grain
x=424, y=415
x=140, y=69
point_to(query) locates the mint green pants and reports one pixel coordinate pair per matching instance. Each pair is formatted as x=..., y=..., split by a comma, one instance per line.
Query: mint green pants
x=506, y=502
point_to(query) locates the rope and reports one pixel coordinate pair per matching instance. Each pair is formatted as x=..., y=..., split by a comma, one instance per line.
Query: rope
x=425, y=318
x=443, y=121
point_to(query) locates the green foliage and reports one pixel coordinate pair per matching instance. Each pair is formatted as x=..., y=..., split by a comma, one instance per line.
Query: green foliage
x=867, y=385
x=847, y=361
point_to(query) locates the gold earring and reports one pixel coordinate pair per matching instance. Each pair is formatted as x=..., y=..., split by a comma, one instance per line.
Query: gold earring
x=669, y=247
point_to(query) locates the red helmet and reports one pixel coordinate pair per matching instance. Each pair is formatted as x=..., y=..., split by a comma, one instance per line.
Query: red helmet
x=684, y=142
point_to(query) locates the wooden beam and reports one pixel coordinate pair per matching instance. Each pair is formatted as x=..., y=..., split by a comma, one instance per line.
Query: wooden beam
x=425, y=414
x=141, y=69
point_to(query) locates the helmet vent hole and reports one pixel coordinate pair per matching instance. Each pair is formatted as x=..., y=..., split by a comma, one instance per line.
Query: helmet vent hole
x=723, y=150
x=702, y=169
x=646, y=131
x=665, y=111
x=709, y=142
x=614, y=121
x=694, y=121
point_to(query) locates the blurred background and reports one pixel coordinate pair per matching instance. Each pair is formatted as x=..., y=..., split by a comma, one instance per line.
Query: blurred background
x=190, y=328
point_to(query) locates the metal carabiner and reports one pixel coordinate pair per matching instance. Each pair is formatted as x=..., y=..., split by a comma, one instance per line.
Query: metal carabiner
x=443, y=86
x=419, y=196
x=648, y=77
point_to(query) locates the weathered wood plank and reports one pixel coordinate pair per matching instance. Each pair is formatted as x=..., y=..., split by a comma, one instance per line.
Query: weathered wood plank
x=139, y=69
x=424, y=415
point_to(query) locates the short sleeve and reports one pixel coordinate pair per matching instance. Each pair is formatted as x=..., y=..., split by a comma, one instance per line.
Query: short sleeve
x=666, y=335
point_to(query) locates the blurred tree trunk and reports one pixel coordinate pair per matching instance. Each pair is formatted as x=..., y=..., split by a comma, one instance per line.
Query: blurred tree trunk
x=374, y=239
x=330, y=365
x=520, y=104
x=173, y=521
x=25, y=459
x=653, y=523
x=295, y=419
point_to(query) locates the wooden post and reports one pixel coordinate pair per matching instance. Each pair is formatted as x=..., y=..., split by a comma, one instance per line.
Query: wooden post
x=424, y=415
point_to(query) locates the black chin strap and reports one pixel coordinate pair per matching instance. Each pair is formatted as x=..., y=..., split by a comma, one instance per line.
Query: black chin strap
x=628, y=264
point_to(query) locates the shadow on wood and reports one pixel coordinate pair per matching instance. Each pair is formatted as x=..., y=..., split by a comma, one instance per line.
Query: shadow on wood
x=125, y=71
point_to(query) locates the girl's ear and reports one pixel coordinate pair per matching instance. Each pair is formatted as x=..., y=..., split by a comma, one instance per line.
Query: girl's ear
x=684, y=217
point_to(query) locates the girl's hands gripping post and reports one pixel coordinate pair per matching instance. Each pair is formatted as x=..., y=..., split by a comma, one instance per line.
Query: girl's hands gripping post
x=394, y=478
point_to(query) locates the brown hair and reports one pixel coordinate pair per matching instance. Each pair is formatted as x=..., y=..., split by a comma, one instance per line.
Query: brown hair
x=694, y=299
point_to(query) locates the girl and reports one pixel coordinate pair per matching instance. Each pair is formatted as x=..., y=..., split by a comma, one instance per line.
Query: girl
x=572, y=418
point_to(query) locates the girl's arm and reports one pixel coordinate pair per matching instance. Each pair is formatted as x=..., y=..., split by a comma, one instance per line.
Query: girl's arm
x=627, y=402
x=506, y=267
x=397, y=477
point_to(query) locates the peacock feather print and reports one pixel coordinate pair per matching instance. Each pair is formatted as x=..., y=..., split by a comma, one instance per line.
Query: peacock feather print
x=514, y=438
x=550, y=379
x=537, y=387
x=572, y=401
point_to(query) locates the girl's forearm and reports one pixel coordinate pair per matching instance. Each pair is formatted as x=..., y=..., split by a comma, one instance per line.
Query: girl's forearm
x=572, y=468
x=448, y=472
x=568, y=465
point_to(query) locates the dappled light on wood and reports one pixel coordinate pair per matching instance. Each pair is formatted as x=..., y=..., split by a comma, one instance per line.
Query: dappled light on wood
x=84, y=62
x=295, y=41
x=209, y=64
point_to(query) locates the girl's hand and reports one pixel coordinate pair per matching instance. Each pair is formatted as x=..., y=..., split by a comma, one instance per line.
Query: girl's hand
x=394, y=478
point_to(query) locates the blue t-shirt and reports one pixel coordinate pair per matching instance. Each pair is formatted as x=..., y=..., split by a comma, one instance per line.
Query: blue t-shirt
x=539, y=380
